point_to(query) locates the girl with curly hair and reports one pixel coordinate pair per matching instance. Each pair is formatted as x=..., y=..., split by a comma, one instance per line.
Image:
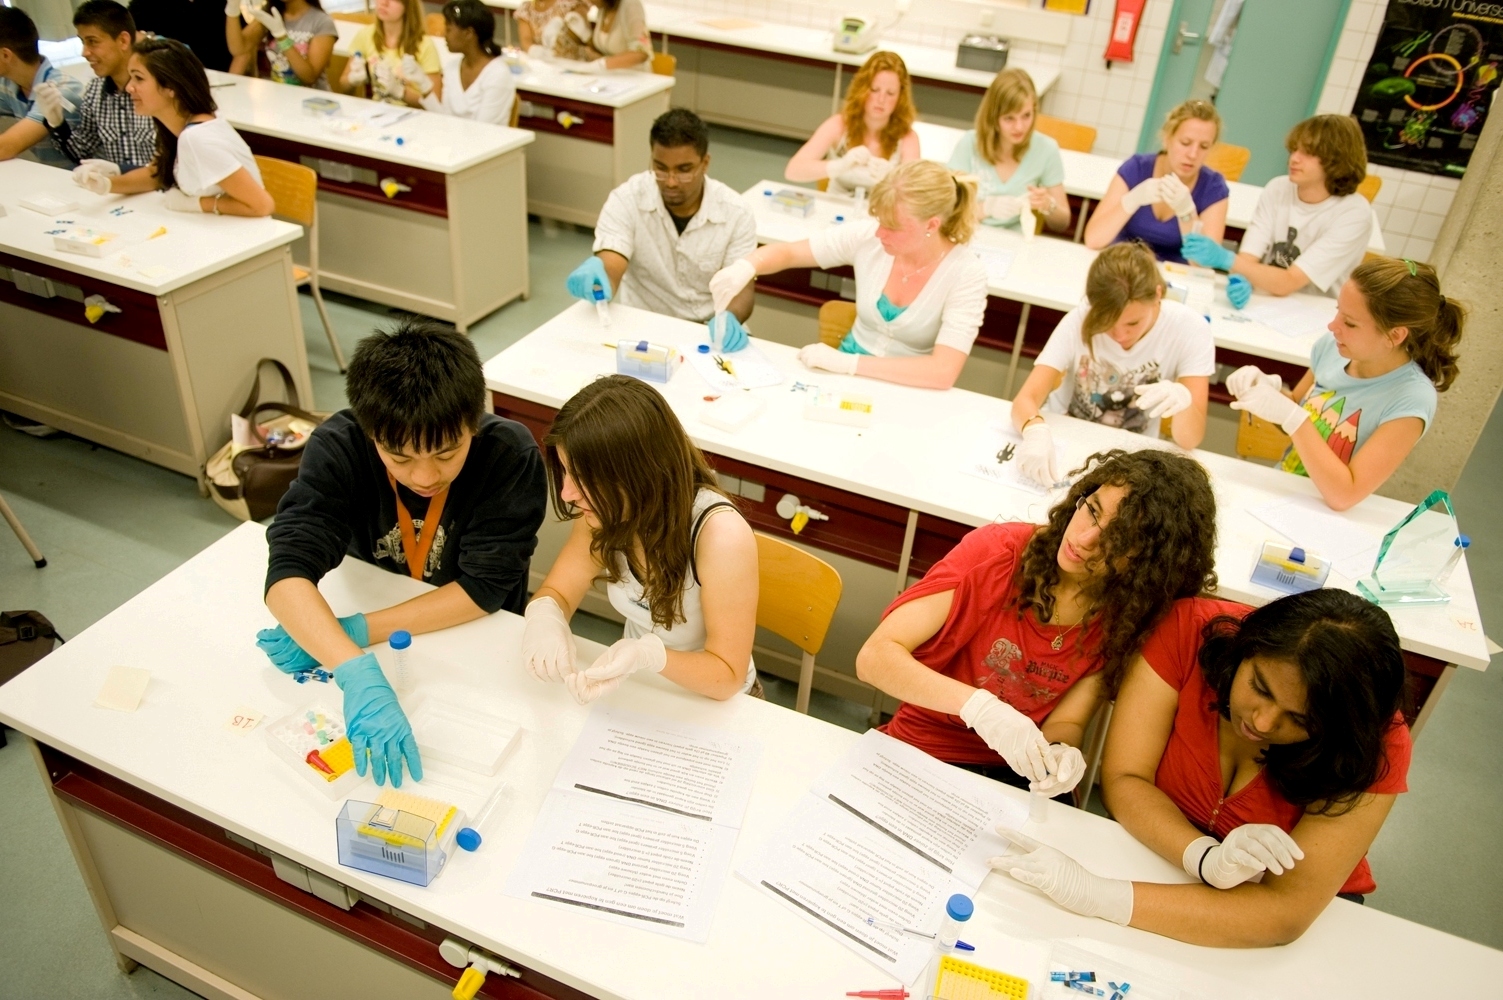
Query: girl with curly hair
x=1259, y=750
x=1370, y=393
x=872, y=133
x=1004, y=650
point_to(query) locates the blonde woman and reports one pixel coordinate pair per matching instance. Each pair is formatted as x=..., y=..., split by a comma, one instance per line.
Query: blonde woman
x=872, y=134
x=395, y=56
x=1159, y=198
x=1014, y=165
x=920, y=292
x=1126, y=358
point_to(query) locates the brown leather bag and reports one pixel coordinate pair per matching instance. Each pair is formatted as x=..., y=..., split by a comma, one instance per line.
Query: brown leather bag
x=25, y=637
x=249, y=482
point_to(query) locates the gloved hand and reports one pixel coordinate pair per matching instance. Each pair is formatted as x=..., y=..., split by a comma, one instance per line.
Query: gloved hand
x=549, y=35
x=414, y=76
x=1066, y=767
x=270, y=18
x=178, y=200
x=1002, y=206
x=1163, y=398
x=1065, y=880
x=232, y=8
x=583, y=280
x=355, y=73
x=857, y=156
x=1238, y=291
x=1198, y=248
x=49, y=101
x=95, y=175
x=728, y=331
x=1265, y=401
x=1141, y=196
x=1172, y=192
x=727, y=282
x=577, y=25
x=596, y=66
x=287, y=656
x=1247, y=851
x=879, y=167
x=1035, y=456
x=623, y=659
x=1244, y=378
x=547, y=643
x=375, y=723
x=823, y=358
x=386, y=78
x=539, y=53
x=1009, y=732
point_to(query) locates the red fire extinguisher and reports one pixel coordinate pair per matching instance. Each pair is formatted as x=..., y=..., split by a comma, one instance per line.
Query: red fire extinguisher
x=1124, y=30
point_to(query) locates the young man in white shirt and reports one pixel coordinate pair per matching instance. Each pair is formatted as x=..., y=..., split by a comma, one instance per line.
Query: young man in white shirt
x=1311, y=227
x=23, y=72
x=666, y=231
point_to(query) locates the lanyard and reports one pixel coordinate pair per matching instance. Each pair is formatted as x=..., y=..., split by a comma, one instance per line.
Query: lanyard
x=416, y=549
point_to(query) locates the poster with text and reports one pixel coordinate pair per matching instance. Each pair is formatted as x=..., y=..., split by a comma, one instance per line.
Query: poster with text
x=1430, y=82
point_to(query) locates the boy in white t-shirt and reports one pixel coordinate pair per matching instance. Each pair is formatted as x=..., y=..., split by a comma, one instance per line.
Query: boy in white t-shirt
x=1311, y=227
x=1126, y=358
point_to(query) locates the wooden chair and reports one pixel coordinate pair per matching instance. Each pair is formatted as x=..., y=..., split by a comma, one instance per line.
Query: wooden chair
x=294, y=193
x=516, y=111
x=836, y=318
x=357, y=17
x=1093, y=746
x=433, y=24
x=1259, y=438
x=40, y=561
x=1228, y=160
x=796, y=598
x=663, y=64
x=1070, y=135
x=1369, y=187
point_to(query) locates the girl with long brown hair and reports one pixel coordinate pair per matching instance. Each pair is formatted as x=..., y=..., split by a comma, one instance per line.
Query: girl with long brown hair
x=1003, y=651
x=872, y=133
x=1015, y=165
x=396, y=56
x=680, y=562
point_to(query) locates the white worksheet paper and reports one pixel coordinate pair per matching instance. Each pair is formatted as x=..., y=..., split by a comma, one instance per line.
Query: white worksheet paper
x=984, y=464
x=883, y=838
x=1303, y=317
x=751, y=367
x=641, y=823
x=1310, y=524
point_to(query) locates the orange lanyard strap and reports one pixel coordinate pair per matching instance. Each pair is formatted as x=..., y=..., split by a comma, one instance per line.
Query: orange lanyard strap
x=416, y=549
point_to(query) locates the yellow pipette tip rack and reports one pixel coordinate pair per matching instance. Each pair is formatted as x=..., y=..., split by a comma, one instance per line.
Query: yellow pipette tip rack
x=958, y=980
x=440, y=814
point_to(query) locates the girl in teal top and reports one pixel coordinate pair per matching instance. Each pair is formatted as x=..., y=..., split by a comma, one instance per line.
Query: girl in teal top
x=1015, y=166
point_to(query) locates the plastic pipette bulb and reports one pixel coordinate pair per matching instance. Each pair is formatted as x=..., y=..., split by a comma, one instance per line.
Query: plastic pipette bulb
x=469, y=837
x=602, y=307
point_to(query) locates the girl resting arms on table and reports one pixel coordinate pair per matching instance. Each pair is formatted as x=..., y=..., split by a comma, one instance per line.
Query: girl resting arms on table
x=1126, y=358
x=1015, y=166
x=1370, y=392
x=1276, y=731
x=872, y=134
x=920, y=291
x=1002, y=653
x=202, y=164
x=396, y=56
x=680, y=562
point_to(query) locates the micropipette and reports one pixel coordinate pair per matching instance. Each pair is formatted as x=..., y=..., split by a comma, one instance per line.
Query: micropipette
x=469, y=837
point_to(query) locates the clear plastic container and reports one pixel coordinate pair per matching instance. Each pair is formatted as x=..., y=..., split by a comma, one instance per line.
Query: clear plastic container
x=393, y=842
x=400, y=642
x=958, y=909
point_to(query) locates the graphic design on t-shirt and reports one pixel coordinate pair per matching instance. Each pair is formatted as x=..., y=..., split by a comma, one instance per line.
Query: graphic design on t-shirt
x=1106, y=395
x=1003, y=652
x=389, y=546
x=1336, y=427
x=281, y=68
x=1283, y=254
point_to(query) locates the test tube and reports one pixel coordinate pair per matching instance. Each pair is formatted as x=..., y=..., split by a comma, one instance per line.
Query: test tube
x=717, y=332
x=958, y=909
x=400, y=642
x=1025, y=221
x=469, y=836
x=1462, y=543
x=602, y=307
x=1038, y=806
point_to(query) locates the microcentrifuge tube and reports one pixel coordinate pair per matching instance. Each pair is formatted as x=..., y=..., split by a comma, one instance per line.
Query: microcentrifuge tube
x=602, y=307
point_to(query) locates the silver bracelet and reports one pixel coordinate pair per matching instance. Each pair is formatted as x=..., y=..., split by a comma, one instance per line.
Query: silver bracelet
x=216, y=202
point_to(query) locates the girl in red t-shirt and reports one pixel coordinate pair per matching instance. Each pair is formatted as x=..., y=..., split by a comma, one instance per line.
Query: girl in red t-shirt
x=1277, y=732
x=1023, y=626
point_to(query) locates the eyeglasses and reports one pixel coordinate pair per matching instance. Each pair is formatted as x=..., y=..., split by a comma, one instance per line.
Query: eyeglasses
x=683, y=172
x=1091, y=511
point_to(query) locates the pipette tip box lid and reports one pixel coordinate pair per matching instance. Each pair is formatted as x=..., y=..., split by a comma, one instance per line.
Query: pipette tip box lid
x=647, y=361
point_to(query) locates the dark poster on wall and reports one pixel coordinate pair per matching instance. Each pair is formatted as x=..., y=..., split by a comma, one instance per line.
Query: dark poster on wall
x=1429, y=84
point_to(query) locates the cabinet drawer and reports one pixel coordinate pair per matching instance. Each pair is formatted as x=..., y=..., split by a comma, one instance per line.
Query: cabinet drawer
x=51, y=290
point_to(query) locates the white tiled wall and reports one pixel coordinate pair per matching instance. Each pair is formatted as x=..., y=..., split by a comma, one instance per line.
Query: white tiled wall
x=1411, y=205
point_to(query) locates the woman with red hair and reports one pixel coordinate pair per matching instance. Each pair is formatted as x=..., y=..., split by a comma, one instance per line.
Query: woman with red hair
x=872, y=134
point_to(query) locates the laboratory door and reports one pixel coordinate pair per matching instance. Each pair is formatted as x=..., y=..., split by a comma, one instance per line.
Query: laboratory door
x=1267, y=77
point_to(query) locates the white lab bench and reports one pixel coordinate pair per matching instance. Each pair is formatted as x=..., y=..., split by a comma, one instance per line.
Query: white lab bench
x=199, y=305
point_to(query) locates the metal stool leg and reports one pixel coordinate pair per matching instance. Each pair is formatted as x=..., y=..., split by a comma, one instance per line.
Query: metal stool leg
x=26, y=542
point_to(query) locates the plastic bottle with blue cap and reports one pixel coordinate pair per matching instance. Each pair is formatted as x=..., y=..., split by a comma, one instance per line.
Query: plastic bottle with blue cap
x=400, y=642
x=958, y=909
x=470, y=836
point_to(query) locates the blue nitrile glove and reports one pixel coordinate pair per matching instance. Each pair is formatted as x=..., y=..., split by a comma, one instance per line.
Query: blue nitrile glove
x=583, y=279
x=375, y=723
x=733, y=334
x=1198, y=248
x=1238, y=290
x=288, y=657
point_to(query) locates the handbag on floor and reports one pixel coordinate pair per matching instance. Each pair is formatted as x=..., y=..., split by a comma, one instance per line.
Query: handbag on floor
x=25, y=637
x=248, y=478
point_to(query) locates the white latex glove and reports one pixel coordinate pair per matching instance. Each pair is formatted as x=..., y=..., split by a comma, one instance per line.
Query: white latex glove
x=577, y=25
x=179, y=200
x=849, y=160
x=1172, y=192
x=823, y=358
x=547, y=643
x=549, y=35
x=1003, y=206
x=1142, y=196
x=1263, y=400
x=232, y=8
x=1248, y=851
x=1035, y=456
x=1065, y=880
x=727, y=282
x=356, y=73
x=539, y=53
x=1066, y=768
x=386, y=77
x=879, y=167
x=270, y=18
x=1162, y=399
x=1244, y=378
x=49, y=101
x=1009, y=732
x=413, y=74
x=623, y=659
x=91, y=178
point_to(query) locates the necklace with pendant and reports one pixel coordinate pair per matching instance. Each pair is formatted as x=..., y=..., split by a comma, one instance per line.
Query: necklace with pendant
x=1058, y=642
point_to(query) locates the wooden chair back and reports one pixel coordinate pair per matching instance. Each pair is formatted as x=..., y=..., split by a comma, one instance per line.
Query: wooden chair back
x=1070, y=135
x=293, y=189
x=357, y=17
x=663, y=64
x=1259, y=438
x=796, y=598
x=1228, y=160
x=836, y=318
x=1370, y=186
x=433, y=24
x=516, y=111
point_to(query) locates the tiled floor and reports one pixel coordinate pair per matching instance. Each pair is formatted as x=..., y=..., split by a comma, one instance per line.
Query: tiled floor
x=110, y=526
